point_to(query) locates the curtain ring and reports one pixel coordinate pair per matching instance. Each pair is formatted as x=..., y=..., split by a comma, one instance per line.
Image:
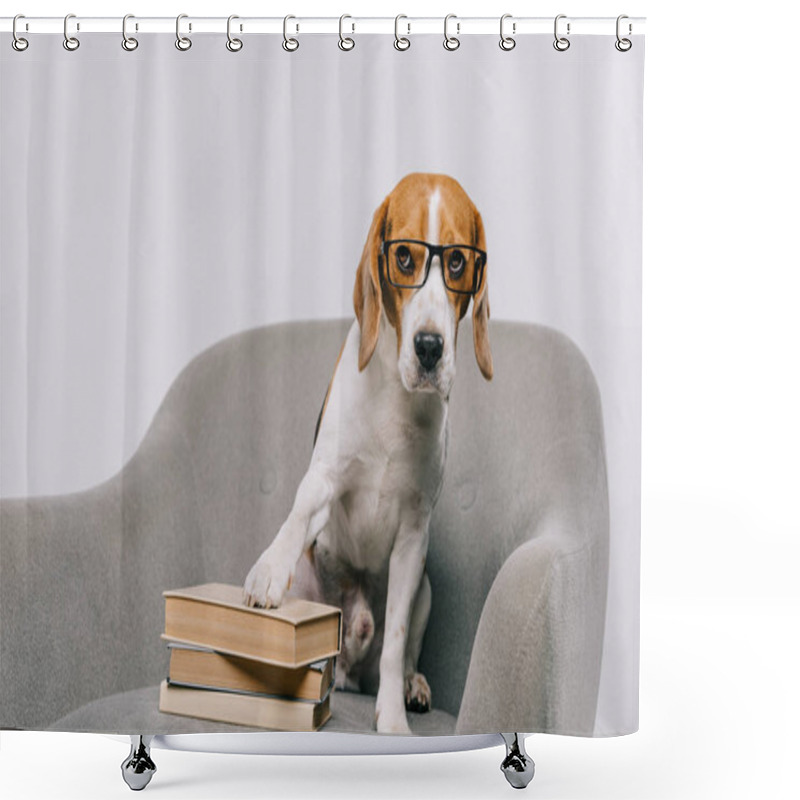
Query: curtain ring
x=345, y=42
x=400, y=42
x=507, y=42
x=233, y=44
x=70, y=42
x=128, y=42
x=451, y=42
x=561, y=43
x=623, y=45
x=289, y=44
x=17, y=42
x=183, y=43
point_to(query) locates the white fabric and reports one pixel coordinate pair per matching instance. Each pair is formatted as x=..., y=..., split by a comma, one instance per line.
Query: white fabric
x=154, y=202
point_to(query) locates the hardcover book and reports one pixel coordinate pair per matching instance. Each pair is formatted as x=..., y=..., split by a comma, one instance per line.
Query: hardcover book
x=213, y=615
x=204, y=668
x=244, y=708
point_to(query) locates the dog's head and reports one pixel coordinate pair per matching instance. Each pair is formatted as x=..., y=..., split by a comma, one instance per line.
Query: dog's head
x=423, y=261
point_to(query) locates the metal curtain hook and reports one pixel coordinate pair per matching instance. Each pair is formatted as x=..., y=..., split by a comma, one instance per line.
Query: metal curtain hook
x=70, y=42
x=451, y=42
x=128, y=42
x=345, y=42
x=623, y=45
x=561, y=43
x=182, y=42
x=507, y=42
x=289, y=44
x=400, y=42
x=234, y=45
x=17, y=42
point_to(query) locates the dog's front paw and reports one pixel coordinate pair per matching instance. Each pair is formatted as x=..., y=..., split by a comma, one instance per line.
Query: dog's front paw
x=418, y=693
x=268, y=580
x=388, y=724
x=390, y=720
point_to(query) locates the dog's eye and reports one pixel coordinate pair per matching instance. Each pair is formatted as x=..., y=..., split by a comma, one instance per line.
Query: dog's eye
x=404, y=259
x=456, y=263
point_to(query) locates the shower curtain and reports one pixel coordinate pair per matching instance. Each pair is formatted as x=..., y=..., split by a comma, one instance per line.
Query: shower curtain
x=208, y=253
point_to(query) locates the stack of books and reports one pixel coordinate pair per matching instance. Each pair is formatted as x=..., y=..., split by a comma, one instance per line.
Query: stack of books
x=266, y=668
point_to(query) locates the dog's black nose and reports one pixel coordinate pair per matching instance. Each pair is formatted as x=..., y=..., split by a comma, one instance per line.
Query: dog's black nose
x=428, y=347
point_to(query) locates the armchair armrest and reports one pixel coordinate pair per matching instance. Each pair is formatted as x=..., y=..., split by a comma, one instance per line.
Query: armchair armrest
x=59, y=602
x=535, y=663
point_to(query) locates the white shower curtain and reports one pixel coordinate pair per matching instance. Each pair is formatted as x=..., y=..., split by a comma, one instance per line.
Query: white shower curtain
x=156, y=202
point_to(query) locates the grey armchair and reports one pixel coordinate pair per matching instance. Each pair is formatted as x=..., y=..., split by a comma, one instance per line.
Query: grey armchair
x=517, y=563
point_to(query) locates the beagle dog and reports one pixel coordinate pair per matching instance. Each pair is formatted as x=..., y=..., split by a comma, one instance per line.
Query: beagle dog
x=358, y=528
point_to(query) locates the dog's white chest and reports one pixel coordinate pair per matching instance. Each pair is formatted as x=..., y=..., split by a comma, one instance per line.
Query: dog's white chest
x=392, y=480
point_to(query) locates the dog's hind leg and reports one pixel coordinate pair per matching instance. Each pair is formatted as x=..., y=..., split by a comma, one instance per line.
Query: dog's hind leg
x=417, y=691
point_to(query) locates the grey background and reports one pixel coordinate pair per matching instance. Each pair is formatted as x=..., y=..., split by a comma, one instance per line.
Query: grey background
x=156, y=201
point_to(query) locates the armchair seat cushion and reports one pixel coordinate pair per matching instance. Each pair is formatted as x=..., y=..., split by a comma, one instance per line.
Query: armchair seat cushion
x=136, y=711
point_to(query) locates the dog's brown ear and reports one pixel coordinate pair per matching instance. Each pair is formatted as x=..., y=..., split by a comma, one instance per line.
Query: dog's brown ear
x=367, y=290
x=480, y=311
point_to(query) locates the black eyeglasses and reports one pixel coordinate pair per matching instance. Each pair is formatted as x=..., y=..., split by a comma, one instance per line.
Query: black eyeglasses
x=408, y=262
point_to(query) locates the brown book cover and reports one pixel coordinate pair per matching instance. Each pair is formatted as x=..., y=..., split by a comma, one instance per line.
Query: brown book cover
x=241, y=708
x=204, y=668
x=213, y=615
